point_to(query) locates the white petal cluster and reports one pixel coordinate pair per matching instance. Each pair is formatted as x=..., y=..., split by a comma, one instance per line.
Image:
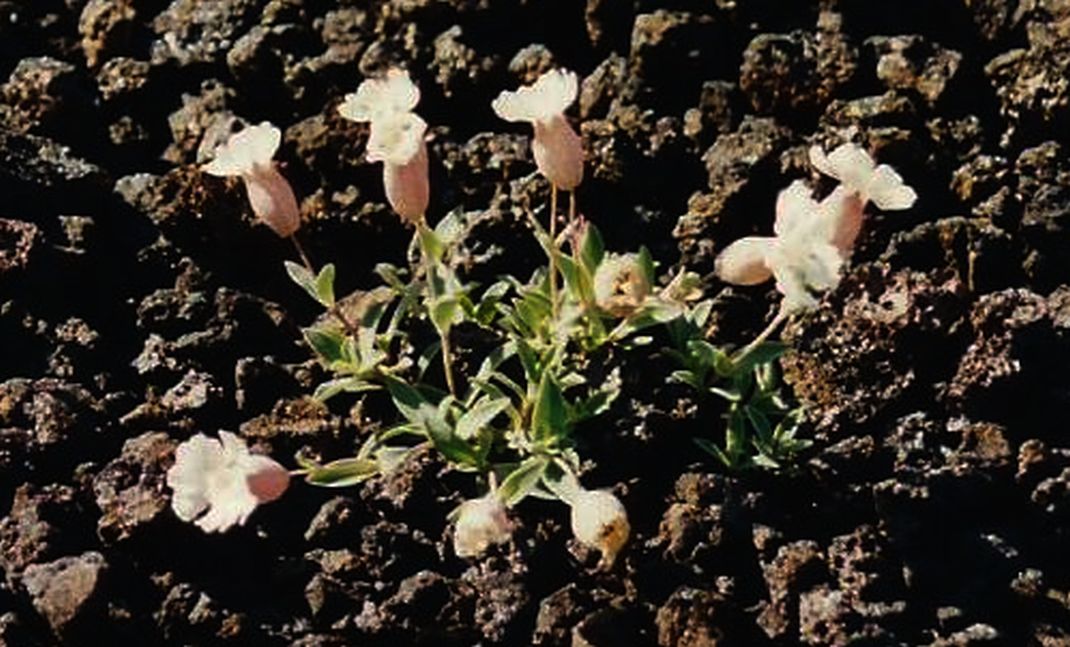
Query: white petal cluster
x=218, y=483
x=857, y=171
x=546, y=99
x=397, y=133
x=480, y=524
x=600, y=521
x=245, y=151
x=813, y=239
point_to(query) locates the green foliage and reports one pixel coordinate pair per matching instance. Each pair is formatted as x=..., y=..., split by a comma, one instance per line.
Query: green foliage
x=515, y=422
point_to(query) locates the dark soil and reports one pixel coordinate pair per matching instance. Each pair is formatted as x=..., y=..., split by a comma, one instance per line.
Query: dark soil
x=140, y=303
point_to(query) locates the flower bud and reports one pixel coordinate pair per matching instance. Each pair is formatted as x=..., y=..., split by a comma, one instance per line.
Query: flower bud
x=600, y=521
x=480, y=523
x=620, y=284
x=407, y=186
x=558, y=152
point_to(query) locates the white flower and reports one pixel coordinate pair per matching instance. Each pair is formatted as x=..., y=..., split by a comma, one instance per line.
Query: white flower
x=376, y=98
x=480, y=523
x=620, y=284
x=396, y=139
x=600, y=521
x=852, y=166
x=248, y=155
x=558, y=149
x=812, y=240
x=218, y=483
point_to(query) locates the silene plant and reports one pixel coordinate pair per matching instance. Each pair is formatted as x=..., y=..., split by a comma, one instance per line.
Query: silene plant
x=511, y=425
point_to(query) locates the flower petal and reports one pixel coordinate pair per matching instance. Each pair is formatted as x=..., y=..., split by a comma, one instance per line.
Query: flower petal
x=888, y=191
x=375, y=98
x=744, y=262
x=848, y=163
x=843, y=210
x=256, y=145
x=546, y=98
x=794, y=205
x=396, y=138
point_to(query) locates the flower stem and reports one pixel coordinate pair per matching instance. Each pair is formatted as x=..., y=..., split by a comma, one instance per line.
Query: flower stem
x=334, y=310
x=553, y=252
x=781, y=316
x=443, y=335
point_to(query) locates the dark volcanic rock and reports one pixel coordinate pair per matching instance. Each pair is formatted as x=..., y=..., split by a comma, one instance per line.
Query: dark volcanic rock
x=912, y=63
x=67, y=591
x=697, y=618
x=1006, y=370
x=18, y=240
x=43, y=524
x=195, y=32
x=1032, y=84
x=785, y=74
x=862, y=351
x=131, y=491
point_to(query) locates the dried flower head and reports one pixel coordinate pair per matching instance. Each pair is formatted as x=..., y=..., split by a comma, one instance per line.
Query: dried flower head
x=480, y=523
x=853, y=166
x=620, y=284
x=248, y=155
x=396, y=139
x=558, y=149
x=218, y=483
x=805, y=256
x=600, y=521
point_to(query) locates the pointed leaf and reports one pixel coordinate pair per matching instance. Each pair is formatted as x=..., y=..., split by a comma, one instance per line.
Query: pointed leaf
x=325, y=285
x=522, y=480
x=592, y=249
x=342, y=473
x=480, y=416
x=549, y=419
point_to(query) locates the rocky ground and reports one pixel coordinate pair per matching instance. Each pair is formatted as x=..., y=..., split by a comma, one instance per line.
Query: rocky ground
x=139, y=303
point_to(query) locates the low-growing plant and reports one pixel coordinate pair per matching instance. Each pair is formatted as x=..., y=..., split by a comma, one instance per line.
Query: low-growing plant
x=512, y=423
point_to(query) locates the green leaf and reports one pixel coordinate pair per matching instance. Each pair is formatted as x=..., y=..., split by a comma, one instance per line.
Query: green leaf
x=445, y=312
x=432, y=420
x=578, y=279
x=303, y=277
x=325, y=285
x=652, y=313
x=342, y=473
x=592, y=249
x=490, y=301
x=549, y=419
x=761, y=424
x=331, y=388
x=450, y=229
x=529, y=360
x=390, y=275
x=522, y=480
x=389, y=458
x=480, y=416
x=711, y=448
x=762, y=354
x=646, y=265
x=328, y=343
x=431, y=244
x=410, y=402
